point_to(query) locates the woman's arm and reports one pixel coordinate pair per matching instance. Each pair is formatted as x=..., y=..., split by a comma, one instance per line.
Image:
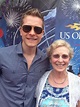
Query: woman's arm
x=78, y=104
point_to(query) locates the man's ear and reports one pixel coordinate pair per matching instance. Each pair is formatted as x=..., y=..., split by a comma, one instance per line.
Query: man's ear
x=20, y=31
x=43, y=32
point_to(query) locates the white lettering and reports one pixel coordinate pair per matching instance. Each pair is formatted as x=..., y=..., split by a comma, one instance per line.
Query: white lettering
x=68, y=35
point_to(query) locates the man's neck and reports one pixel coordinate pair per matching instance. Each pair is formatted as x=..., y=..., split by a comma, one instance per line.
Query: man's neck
x=29, y=50
x=29, y=54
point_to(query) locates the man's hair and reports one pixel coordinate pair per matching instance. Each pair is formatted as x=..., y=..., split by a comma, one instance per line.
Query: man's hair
x=33, y=12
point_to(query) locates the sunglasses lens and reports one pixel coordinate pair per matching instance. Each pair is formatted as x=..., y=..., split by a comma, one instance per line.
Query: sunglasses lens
x=56, y=56
x=65, y=56
x=38, y=30
x=26, y=28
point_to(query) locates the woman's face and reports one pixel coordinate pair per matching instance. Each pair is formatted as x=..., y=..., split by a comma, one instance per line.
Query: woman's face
x=60, y=59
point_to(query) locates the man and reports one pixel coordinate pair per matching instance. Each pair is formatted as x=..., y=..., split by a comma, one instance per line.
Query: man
x=22, y=65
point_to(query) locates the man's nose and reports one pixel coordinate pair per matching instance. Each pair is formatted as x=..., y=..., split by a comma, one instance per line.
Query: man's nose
x=32, y=32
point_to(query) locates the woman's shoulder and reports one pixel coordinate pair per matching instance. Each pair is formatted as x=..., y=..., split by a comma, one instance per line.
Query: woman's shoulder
x=75, y=78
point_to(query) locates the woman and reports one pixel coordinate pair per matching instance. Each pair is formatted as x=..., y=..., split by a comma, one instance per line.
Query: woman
x=58, y=87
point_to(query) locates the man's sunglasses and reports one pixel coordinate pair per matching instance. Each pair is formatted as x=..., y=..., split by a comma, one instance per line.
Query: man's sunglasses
x=28, y=28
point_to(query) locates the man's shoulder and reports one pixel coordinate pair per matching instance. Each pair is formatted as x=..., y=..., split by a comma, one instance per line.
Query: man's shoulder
x=45, y=75
x=9, y=49
x=41, y=53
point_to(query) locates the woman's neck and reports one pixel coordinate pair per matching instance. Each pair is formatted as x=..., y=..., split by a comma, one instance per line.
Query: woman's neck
x=58, y=79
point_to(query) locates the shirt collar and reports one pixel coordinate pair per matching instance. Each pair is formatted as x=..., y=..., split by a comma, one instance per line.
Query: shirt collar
x=39, y=53
x=19, y=48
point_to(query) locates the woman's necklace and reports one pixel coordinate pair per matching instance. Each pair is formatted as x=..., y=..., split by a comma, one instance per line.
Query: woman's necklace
x=60, y=82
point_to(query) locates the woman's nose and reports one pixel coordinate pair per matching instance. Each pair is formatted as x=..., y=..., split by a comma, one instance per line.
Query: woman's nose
x=60, y=59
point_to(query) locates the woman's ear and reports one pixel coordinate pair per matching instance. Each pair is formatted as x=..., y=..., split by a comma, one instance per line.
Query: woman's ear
x=50, y=60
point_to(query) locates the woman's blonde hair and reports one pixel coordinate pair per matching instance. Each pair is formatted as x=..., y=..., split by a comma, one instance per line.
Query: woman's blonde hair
x=59, y=43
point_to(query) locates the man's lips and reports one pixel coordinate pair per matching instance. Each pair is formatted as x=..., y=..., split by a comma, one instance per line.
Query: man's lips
x=31, y=38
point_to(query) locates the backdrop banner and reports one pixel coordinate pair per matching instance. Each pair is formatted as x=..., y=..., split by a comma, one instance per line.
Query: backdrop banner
x=68, y=28
x=62, y=21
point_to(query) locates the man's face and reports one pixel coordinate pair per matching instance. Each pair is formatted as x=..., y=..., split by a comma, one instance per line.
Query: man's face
x=31, y=37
